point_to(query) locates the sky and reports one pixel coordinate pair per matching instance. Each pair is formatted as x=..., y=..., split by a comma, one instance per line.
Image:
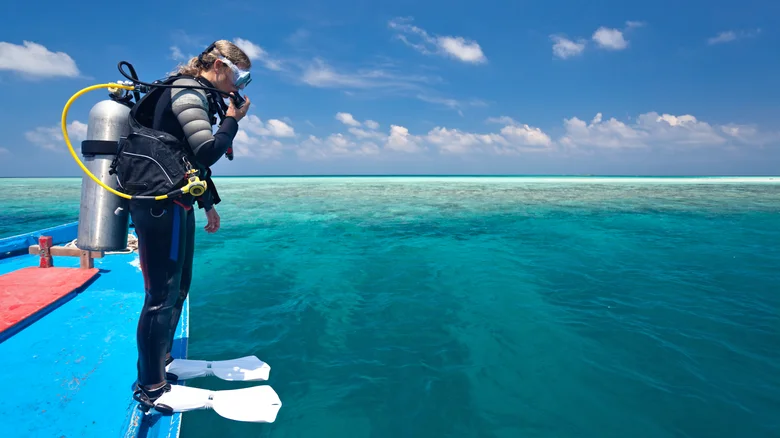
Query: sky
x=490, y=87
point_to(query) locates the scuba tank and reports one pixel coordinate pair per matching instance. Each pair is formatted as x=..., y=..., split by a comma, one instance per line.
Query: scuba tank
x=103, y=217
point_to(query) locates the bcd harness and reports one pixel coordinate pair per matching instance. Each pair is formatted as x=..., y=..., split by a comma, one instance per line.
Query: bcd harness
x=151, y=162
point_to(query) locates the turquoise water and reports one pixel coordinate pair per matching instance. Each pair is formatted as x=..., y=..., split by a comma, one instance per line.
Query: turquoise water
x=495, y=307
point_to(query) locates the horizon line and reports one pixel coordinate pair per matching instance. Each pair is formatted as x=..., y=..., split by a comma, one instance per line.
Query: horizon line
x=447, y=175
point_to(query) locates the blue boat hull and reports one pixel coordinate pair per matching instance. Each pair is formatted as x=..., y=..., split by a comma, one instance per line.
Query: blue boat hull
x=70, y=372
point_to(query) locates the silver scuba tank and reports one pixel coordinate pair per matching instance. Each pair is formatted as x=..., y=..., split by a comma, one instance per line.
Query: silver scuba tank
x=103, y=216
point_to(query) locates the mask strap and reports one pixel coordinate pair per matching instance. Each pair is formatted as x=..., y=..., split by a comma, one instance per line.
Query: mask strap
x=208, y=49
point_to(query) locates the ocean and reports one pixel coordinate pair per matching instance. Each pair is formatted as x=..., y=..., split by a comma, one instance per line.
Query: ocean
x=484, y=306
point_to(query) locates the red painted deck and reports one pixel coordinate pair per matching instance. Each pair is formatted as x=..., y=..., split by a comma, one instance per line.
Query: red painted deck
x=29, y=291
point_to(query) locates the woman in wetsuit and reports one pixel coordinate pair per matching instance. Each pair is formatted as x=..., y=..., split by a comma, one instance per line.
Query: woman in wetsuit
x=166, y=229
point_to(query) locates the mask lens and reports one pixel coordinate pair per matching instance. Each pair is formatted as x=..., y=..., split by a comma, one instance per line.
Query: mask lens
x=241, y=78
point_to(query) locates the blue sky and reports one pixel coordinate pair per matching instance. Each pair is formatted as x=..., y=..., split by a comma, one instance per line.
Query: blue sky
x=437, y=87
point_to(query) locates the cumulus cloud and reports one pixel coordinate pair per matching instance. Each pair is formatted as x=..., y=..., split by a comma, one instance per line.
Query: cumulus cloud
x=35, y=60
x=259, y=139
x=246, y=145
x=604, y=38
x=334, y=146
x=400, y=140
x=656, y=130
x=648, y=130
x=610, y=39
x=51, y=138
x=257, y=53
x=566, y=48
x=513, y=138
x=454, y=141
x=272, y=128
x=356, y=127
x=524, y=135
x=347, y=119
x=455, y=47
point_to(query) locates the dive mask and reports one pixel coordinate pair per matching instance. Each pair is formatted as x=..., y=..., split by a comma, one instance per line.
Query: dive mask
x=241, y=78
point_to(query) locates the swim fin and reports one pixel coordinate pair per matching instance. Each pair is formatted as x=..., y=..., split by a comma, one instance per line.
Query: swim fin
x=258, y=404
x=242, y=369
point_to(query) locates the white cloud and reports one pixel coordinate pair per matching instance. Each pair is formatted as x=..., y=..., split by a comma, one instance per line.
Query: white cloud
x=451, y=103
x=513, y=138
x=33, y=59
x=650, y=129
x=525, y=135
x=177, y=54
x=730, y=35
x=566, y=48
x=604, y=37
x=462, y=49
x=400, y=140
x=260, y=140
x=611, y=39
x=454, y=141
x=51, y=138
x=273, y=128
x=502, y=119
x=347, y=119
x=245, y=145
x=456, y=47
x=371, y=124
x=278, y=128
x=723, y=37
x=363, y=134
x=334, y=146
x=319, y=74
x=257, y=53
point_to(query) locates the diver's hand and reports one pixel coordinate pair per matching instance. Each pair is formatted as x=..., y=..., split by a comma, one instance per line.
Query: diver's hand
x=213, y=224
x=238, y=113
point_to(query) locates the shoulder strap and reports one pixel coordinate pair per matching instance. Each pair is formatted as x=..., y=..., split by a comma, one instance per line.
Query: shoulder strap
x=216, y=104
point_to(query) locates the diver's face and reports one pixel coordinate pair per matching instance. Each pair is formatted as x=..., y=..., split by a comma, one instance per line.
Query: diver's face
x=229, y=75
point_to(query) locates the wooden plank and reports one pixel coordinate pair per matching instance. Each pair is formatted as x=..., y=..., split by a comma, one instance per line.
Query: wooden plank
x=86, y=261
x=65, y=252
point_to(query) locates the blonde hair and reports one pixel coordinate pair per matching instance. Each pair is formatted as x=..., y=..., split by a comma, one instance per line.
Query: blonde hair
x=222, y=48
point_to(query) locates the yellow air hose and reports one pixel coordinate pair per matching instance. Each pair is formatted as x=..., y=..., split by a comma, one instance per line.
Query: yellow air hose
x=194, y=186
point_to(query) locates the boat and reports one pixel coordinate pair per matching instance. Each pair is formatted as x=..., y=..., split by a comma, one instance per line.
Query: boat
x=68, y=337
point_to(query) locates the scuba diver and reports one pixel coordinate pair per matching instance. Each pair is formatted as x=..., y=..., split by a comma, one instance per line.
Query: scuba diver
x=166, y=229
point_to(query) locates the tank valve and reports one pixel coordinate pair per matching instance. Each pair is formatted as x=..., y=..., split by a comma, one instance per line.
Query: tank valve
x=119, y=92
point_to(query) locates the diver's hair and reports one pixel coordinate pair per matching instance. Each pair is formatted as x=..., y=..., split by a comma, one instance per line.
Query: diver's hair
x=222, y=48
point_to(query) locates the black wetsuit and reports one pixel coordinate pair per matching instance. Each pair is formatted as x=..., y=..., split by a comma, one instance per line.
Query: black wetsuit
x=166, y=229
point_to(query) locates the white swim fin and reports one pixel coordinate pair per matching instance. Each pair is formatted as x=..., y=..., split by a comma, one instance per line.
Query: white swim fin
x=242, y=369
x=258, y=404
